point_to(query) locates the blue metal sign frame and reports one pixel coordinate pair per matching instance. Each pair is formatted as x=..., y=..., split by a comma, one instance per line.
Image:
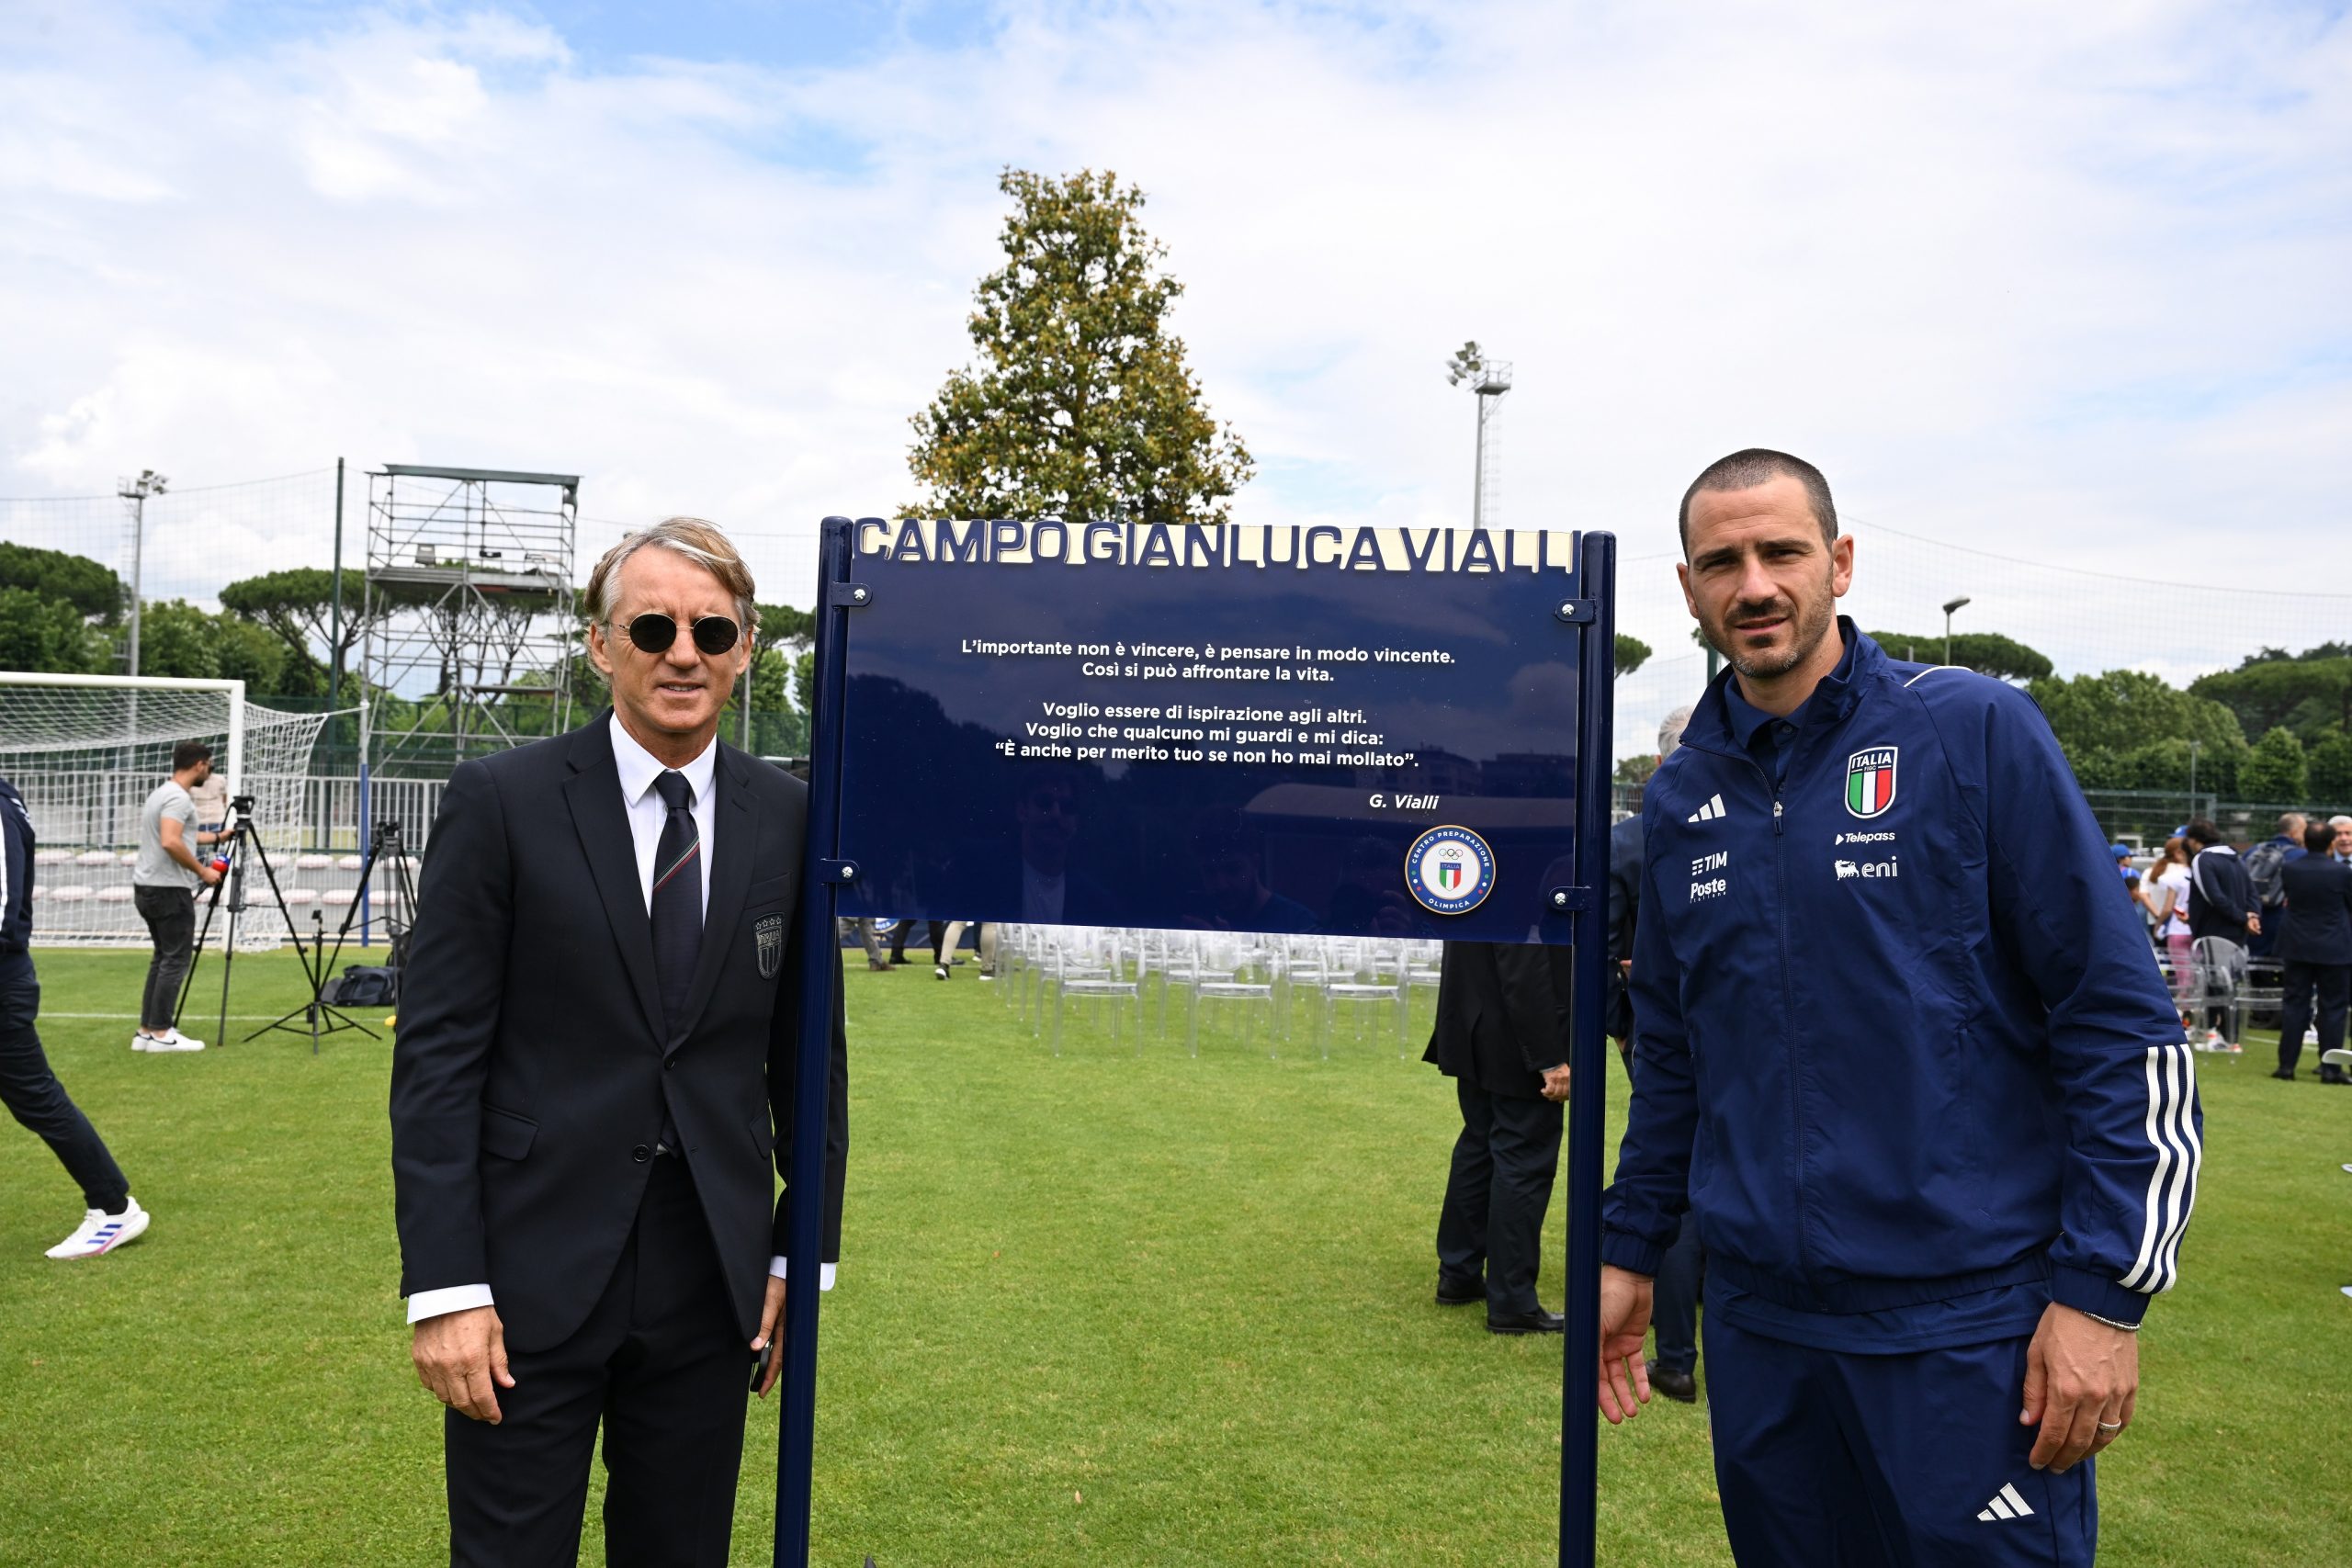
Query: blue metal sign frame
x=1590, y=608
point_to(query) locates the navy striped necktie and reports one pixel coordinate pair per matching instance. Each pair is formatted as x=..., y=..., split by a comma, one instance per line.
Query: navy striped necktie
x=677, y=896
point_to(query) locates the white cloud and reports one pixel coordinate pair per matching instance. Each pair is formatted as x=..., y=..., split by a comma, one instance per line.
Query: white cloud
x=2064, y=282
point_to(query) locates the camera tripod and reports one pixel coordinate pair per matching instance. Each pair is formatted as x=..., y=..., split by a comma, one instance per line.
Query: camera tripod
x=384, y=840
x=239, y=836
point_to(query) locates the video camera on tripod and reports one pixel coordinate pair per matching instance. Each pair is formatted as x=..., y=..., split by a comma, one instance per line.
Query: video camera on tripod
x=320, y=1013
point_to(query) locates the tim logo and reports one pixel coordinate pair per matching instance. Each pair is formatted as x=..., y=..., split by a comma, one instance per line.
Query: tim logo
x=1869, y=782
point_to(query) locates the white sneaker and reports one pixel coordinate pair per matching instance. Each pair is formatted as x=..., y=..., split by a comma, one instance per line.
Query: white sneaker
x=100, y=1233
x=174, y=1040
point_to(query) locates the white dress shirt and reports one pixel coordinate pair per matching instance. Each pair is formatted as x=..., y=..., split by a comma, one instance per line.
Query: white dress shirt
x=647, y=814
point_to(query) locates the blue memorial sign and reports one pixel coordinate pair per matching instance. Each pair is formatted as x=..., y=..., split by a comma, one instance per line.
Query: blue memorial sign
x=1361, y=730
x=1354, y=730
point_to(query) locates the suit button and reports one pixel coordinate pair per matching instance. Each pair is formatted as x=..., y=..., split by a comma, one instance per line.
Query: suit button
x=670, y=1066
x=640, y=1154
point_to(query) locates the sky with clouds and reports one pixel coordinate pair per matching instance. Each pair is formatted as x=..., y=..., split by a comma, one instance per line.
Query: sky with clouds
x=2072, y=284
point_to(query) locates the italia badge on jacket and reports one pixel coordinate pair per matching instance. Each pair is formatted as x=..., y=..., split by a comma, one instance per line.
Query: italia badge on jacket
x=1869, y=780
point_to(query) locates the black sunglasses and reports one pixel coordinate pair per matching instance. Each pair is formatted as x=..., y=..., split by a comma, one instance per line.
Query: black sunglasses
x=654, y=632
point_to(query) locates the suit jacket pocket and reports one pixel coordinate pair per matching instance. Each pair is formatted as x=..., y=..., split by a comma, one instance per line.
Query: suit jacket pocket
x=768, y=892
x=762, y=1136
x=505, y=1135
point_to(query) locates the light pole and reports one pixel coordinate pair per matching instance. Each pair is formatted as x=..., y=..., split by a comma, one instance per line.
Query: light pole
x=1490, y=379
x=136, y=492
x=1948, y=608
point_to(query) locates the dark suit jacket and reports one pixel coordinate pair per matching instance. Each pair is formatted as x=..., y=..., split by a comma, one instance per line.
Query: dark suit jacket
x=533, y=1066
x=2319, y=909
x=1503, y=1015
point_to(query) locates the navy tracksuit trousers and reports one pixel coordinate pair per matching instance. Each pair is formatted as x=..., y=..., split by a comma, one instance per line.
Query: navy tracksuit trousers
x=1831, y=1459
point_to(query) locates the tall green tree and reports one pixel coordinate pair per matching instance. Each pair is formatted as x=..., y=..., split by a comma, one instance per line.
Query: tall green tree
x=2275, y=773
x=2329, y=764
x=1987, y=653
x=2310, y=696
x=298, y=605
x=49, y=635
x=1632, y=653
x=1081, y=403
x=93, y=591
x=2121, y=710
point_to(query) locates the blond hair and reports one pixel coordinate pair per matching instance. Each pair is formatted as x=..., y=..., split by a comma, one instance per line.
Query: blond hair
x=700, y=542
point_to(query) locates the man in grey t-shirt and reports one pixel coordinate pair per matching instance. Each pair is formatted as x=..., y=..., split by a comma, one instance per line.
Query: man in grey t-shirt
x=164, y=887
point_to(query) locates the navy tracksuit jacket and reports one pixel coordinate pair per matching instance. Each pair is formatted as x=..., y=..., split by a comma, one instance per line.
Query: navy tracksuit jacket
x=1906, y=1055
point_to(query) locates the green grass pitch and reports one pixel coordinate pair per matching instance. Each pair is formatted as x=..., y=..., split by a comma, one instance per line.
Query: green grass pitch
x=1097, y=1309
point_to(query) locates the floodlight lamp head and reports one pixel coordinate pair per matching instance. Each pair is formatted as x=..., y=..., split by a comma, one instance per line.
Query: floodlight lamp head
x=1956, y=603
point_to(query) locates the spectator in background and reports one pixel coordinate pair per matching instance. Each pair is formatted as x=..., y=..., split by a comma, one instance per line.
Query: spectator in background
x=163, y=889
x=2164, y=892
x=1501, y=1034
x=34, y=1097
x=2316, y=950
x=2262, y=863
x=2221, y=905
x=1674, y=1306
x=2122, y=854
x=2342, y=826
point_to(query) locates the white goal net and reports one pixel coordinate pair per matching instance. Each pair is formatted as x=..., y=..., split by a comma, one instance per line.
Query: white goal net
x=85, y=752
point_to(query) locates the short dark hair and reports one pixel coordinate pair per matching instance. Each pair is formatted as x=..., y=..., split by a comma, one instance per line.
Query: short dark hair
x=2318, y=837
x=1753, y=466
x=188, y=753
x=2201, y=830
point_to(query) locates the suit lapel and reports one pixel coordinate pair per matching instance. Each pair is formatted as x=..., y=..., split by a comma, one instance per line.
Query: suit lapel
x=735, y=835
x=593, y=794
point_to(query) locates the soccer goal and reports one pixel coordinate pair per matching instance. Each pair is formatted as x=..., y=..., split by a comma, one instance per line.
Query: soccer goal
x=85, y=752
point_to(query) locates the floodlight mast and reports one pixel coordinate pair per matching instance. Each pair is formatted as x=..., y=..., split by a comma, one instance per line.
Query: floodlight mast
x=1948, y=608
x=1490, y=379
x=136, y=492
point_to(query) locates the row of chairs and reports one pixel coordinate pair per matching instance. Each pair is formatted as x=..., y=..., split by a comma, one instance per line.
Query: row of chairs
x=1369, y=982
x=2223, y=981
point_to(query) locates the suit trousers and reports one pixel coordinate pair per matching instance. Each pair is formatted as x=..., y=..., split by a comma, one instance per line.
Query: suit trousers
x=1674, y=1299
x=1495, y=1194
x=663, y=1366
x=2331, y=984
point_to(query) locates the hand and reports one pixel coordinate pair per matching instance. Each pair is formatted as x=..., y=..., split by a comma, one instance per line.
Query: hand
x=1556, y=1082
x=2254, y=924
x=461, y=1357
x=771, y=1315
x=1625, y=1319
x=2079, y=1374
x=208, y=873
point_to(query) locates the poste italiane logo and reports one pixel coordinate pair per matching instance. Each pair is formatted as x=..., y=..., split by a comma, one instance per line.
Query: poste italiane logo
x=1869, y=780
x=1450, y=870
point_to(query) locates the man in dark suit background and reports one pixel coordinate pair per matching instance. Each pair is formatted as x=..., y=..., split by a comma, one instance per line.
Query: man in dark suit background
x=2316, y=951
x=1502, y=1036
x=592, y=1069
x=1674, y=1310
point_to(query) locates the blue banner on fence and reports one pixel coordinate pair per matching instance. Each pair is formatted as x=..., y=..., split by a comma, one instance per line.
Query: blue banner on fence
x=1293, y=728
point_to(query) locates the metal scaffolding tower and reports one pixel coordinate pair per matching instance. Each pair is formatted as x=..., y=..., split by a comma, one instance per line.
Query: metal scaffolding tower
x=470, y=625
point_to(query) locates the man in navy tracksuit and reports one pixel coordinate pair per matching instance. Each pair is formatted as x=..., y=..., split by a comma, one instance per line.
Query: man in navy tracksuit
x=1907, y=1058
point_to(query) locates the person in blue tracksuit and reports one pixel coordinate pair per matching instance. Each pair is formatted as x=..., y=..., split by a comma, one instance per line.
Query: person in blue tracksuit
x=1907, y=1059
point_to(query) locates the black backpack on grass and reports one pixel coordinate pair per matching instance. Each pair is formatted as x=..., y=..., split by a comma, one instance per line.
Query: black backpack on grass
x=362, y=986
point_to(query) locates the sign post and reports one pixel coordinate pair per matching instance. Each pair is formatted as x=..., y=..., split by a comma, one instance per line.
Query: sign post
x=1387, y=733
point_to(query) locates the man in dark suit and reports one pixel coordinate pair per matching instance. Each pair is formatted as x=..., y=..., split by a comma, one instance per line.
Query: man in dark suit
x=2316, y=950
x=594, y=1065
x=1502, y=1036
